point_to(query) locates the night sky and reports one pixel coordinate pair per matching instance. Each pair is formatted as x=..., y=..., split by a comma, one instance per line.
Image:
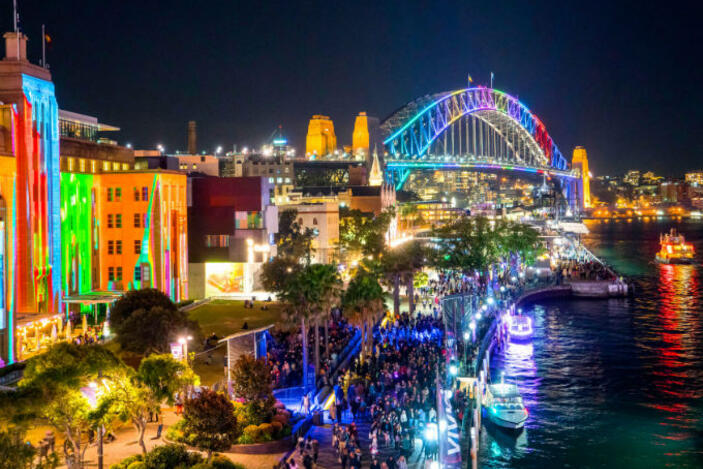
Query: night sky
x=624, y=81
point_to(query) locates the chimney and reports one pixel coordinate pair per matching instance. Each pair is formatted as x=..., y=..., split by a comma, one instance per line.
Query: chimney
x=192, y=138
x=13, y=49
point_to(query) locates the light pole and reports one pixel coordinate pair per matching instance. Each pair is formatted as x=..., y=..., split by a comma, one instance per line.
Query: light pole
x=184, y=346
x=91, y=395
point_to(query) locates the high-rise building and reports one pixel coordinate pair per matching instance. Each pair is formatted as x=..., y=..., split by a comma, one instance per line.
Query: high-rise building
x=695, y=178
x=632, y=177
x=320, y=140
x=579, y=161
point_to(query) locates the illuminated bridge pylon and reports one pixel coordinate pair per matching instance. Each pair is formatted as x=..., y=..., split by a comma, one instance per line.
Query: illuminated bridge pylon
x=470, y=129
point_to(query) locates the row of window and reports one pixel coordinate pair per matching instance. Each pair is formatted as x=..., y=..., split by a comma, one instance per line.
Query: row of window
x=216, y=241
x=114, y=274
x=115, y=194
x=115, y=247
x=279, y=180
x=94, y=165
x=114, y=220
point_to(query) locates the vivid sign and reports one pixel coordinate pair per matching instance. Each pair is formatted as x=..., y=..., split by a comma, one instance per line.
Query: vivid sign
x=224, y=278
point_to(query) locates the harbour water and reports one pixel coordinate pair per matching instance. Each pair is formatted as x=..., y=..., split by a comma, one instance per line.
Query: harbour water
x=612, y=383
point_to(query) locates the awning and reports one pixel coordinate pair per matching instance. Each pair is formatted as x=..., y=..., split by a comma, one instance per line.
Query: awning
x=93, y=298
x=570, y=227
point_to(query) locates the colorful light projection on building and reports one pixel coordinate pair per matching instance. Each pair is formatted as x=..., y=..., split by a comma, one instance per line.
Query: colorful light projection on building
x=224, y=278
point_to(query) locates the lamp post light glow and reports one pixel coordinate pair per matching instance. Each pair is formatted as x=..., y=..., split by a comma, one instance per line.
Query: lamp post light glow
x=184, y=344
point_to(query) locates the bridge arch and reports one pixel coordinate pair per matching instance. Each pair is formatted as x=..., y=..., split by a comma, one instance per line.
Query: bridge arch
x=514, y=135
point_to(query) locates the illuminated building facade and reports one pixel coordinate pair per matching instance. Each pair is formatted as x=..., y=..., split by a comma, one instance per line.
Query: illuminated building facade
x=323, y=219
x=579, y=161
x=231, y=227
x=320, y=139
x=29, y=191
x=124, y=231
x=695, y=178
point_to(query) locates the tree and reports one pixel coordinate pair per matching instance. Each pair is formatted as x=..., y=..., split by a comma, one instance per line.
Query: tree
x=363, y=305
x=251, y=378
x=14, y=452
x=294, y=241
x=55, y=388
x=325, y=280
x=210, y=419
x=363, y=234
x=134, y=396
x=469, y=243
x=399, y=265
x=147, y=321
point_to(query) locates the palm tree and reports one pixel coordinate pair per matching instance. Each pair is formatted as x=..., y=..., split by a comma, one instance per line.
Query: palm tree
x=400, y=265
x=363, y=303
x=326, y=282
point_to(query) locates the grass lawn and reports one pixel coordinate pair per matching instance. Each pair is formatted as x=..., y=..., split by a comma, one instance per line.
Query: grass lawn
x=225, y=317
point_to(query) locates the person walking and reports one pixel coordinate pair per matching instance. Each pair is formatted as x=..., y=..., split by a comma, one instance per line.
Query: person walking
x=333, y=411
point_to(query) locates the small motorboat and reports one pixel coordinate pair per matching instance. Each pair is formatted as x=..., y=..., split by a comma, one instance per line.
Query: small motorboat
x=520, y=328
x=504, y=407
x=674, y=249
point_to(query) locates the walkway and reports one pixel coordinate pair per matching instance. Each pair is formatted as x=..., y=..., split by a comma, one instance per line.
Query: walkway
x=327, y=457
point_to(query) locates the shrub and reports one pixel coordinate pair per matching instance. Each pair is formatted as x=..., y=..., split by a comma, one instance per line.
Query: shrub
x=137, y=465
x=172, y=455
x=280, y=418
x=277, y=427
x=251, y=432
x=221, y=462
x=261, y=411
x=265, y=432
x=127, y=462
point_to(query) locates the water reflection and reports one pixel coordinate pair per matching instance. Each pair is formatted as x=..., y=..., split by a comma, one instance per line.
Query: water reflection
x=615, y=383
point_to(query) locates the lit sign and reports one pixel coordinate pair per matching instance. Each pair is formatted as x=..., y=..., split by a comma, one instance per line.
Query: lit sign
x=224, y=278
x=280, y=141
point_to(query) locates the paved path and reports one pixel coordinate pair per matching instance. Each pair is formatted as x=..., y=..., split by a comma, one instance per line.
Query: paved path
x=328, y=455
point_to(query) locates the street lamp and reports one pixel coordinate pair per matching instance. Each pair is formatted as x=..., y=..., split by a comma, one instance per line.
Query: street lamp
x=91, y=395
x=184, y=345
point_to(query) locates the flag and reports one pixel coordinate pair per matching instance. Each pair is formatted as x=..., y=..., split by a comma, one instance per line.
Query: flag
x=47, y=38
x=471, y=80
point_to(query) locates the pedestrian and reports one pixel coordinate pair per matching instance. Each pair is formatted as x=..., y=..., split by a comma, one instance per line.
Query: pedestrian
x=333, y=411
x=315, y=450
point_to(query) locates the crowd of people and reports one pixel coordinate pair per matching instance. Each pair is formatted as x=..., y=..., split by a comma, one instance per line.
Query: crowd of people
x=286, y=349
x=394, y=391
x=573, y=270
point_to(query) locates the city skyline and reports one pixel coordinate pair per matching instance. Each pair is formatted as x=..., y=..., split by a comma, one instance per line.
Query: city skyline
x=596, y=77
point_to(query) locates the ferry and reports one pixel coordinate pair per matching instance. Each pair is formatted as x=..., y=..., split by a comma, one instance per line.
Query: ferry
x=674, y=249
x=503, y=406
x=520, y=328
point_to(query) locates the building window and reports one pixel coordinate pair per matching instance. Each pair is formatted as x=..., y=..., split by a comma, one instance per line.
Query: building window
x=111, y=274
x=71, y=164
x=110, y=247
x=136, y=194
x=118, y=274
x=118, y=247
x=118, y=194
x=109, y=220
x=216, y=241
x=137, y=274
x=287, y=180
x=271, y=180
x=194, y=166
x=314, y=221
x=145, y=194
x=118, y=220
x=137, y=246
x=106, y=166
x=81, y=165
x=93, y=166
x=109, y=194
x=137, y=220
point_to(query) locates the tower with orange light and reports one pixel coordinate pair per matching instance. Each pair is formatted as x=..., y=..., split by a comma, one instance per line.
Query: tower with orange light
x=579, y=161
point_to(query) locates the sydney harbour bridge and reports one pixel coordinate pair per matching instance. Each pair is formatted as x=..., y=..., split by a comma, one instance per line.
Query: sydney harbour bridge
x=474, y=129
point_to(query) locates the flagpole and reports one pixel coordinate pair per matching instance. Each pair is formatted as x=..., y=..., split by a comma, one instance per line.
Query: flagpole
x=17, y=31
x=14, y=14
x=43, y=47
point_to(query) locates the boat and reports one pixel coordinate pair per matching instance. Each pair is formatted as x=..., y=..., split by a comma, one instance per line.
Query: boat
x=674, y=249
x=520, y=328
x=503, y=406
